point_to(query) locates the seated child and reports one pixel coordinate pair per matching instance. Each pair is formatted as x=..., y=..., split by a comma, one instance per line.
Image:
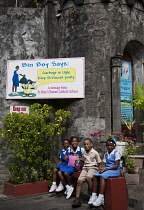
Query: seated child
x=92, y=161
x=65, y=172
x=62, y=163
x=112, y=169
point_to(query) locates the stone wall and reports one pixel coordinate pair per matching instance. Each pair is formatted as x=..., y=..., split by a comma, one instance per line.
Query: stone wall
x=100, y=31
x=22, y=36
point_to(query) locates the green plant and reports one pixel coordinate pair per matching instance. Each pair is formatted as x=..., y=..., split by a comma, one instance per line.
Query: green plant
x=138, y=97
x=37, y=3
x=130, y=149
x=32, y=138
x=129, y=124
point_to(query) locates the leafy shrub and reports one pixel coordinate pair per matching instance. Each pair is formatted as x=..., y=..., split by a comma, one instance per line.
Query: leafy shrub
x=32, y=138
x=130, y=149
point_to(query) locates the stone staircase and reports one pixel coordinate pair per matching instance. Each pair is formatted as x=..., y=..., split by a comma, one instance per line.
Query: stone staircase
x=136, y=193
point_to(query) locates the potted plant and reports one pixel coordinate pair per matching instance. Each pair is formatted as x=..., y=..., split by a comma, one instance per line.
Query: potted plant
x=132, y=173
x=31, y=138
x=130, y=126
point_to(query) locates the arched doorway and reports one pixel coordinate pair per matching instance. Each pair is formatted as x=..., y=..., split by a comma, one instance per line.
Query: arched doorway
x=134, y=55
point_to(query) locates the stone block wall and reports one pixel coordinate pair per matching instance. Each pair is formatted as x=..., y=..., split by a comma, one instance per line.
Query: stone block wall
x=99, y=32
x=22, y=36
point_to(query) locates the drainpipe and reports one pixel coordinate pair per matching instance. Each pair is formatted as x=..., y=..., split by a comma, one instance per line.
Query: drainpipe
x=115, y=94
x=16, y=3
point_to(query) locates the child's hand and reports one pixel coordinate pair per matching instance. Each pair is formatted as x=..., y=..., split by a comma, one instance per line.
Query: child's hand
x=81, y=159
x=66, y=157
x=102, y=170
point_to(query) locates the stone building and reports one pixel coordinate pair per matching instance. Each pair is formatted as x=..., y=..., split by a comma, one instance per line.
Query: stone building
x=103, y=31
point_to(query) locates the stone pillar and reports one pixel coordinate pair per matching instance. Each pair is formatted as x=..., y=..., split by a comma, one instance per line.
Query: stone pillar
x=115, y=94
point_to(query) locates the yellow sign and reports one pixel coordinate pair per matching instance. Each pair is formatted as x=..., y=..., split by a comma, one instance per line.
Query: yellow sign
x=46, y=76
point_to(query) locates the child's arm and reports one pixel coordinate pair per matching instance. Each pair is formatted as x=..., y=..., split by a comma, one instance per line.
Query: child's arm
x=111, y=168
x=59, y=162
x=66, y=157
x=101, y=166
x=81, y=159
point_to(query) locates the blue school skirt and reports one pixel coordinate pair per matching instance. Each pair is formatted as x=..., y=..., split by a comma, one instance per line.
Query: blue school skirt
x=62, y=165
x=109, y=174
x=68, y=169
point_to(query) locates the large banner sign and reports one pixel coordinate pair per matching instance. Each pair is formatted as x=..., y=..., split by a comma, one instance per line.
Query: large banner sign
x=46, y=78
x=126, y=90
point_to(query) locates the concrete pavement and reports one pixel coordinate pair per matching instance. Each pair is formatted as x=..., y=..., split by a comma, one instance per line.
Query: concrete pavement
x=44, y=201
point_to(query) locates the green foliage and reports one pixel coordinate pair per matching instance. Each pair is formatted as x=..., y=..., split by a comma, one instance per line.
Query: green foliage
x=130, y=149
x=32, y=138
x=37, y=3
x=128, y=124
x=138, y=97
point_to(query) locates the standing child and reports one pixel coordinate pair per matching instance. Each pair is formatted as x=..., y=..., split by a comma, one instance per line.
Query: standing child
x=92, y=161
x=64, y=173
x=112, y=169
x=65, y=151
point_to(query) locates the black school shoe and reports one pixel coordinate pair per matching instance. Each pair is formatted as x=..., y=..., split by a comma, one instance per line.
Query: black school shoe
x=76, y=203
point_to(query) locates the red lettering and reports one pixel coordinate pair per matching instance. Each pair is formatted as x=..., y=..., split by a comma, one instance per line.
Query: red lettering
x=23, y=109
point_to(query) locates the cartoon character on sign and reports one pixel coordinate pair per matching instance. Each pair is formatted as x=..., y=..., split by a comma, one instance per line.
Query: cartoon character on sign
x=125, y=71
x=15, y=80
x=28, y=86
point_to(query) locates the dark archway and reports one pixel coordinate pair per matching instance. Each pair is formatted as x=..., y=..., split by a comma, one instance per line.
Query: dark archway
x=134, y=52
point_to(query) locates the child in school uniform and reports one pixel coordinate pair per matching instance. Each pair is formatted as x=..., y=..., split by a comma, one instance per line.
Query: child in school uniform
x=64, y=173
x=92, y=162
x=65, y=151
x=112, y=169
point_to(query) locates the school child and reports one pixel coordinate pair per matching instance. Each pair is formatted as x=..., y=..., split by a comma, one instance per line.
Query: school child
x=112, y=169
x=64, y=173
x=65, y=151
x=92, y=161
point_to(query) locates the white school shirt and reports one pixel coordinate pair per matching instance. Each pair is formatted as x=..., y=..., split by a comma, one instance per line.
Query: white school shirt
x=117, y=155
x=78, y=149
x=64, y=151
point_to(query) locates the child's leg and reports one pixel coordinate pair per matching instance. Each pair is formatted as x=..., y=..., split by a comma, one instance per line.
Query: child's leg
x=54, y=185
x=68, y=178
x=100, y=200
x=94, y=184
x=76, y=202
x=69, y=188
x=102, y=185
x=90, y=183
x=93, y=188
x=78, y=188
x=62, y=178
x=55, y=171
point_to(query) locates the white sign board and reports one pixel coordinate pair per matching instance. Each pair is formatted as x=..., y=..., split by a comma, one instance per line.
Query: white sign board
x=46, y=78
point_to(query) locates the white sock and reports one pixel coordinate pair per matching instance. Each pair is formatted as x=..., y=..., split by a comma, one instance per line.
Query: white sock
x=67, y=186
x=101, y=195
x=61, y=183
x=54, y=183
x=94, y=194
